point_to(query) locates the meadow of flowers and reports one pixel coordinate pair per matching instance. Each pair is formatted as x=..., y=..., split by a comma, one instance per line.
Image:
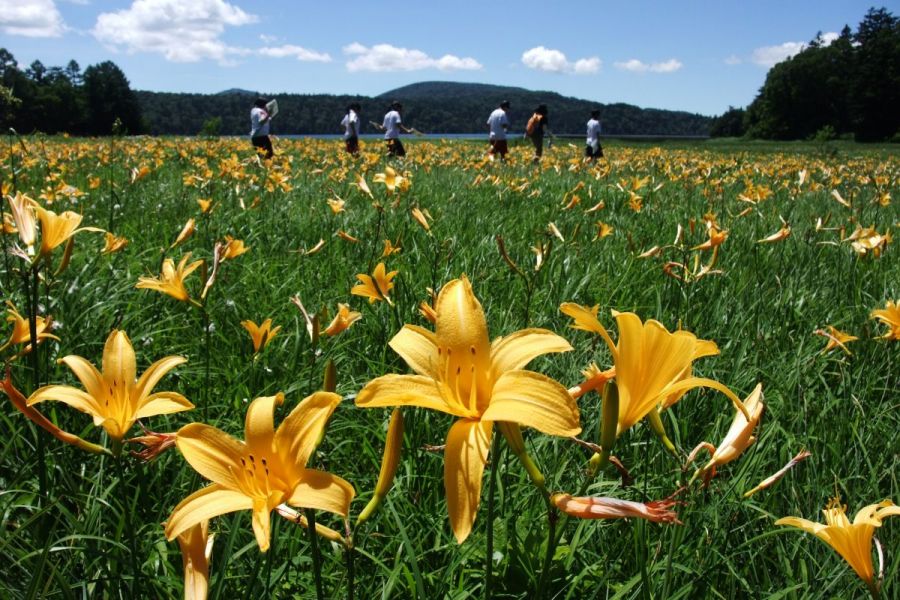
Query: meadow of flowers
x=661, y=375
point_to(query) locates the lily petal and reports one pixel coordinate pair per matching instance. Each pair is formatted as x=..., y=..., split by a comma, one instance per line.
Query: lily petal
x=516, y=350
x=119, y=365
x=418, y=347
x=211, y=452
x=299, y=433
x=322, y=491
x=154, y=373
x=202, y=505
x=259, y=425
x=464, y=458
x=534, y=400
x=87, y=374
x=405, y=390
x=262, y=525
x=77, y=399
x=162, y=403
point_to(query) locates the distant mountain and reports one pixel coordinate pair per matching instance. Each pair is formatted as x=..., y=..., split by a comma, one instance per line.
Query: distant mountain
x=432, y=106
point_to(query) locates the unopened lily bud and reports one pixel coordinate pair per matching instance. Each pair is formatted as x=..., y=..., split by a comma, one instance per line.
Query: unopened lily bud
x=329, y=383
x=389, y=462
x=196, y=552
x=66, y=257
x=154, y=444
x=324, y=532
x=659, y=429
x=609, y=423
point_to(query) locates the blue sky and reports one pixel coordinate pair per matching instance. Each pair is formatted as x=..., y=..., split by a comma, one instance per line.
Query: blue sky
x=699, y=56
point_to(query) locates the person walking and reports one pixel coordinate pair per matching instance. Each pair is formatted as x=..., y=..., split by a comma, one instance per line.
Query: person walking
x=593, y=150
x=537, y=126
x=498, y=124
x=259, y=128
x=351, y=124
x=392, y=126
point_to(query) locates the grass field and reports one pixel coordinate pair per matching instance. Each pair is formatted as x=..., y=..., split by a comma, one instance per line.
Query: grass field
x=80, y=525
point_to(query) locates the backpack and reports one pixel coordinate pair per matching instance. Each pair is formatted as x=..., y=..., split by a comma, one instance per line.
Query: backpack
x=534, y=125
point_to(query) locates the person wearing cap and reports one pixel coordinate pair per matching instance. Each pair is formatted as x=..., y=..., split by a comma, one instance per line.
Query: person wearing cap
x=593, y=150
x=351, y=125
x=498, y=123
x=259, y=128
x=392, y=126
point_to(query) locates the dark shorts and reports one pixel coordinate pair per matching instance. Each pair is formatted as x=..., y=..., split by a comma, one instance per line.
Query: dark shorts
x=352, y=145
x=499, y=147
x=263, y=145
x=395, y=147
x=589, y=151
x=538, y=141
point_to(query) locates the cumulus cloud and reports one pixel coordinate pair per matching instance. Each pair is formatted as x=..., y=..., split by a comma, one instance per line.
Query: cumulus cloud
x=180, y=31
x=636, y=66
x=298, y=52
x=31, y=18
x=768, y=56
x=554, y=61
x=384, y=57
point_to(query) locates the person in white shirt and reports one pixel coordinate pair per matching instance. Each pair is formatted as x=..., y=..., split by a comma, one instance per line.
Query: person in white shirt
x=498, y=123
x=593, y=150
x=259, y=128
x=392, y=126
x=351, y=125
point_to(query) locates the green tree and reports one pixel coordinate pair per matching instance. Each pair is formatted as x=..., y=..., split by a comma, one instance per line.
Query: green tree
x=109, y=97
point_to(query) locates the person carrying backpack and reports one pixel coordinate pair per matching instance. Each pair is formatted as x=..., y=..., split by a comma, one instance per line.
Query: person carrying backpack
x=537, y=126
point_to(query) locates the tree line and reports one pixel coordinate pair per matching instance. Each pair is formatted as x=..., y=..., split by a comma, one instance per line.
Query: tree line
x=848, y=88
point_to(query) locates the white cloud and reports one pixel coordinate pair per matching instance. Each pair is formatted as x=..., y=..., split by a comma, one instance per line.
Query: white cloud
x=180, y=31
x=554, y=61
x=829, y=36
x=268, y=39
x=636, y=66
x=768, y=56
x=31, y=18
x=732, y=60
x=298, y=52
x=384, y=57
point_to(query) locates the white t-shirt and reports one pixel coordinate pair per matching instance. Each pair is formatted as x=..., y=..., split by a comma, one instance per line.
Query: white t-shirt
x=351, y=125
x=391, y=125
x=593, y=132
x=256, y=127
x=498, y=122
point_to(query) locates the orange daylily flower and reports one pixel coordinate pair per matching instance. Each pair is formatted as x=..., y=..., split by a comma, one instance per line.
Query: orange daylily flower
x=375, y=287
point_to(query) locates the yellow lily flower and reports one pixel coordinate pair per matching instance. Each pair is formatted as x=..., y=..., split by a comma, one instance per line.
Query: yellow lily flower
x=58, y=229
x=262, y=472
x=171, y=279
x=652, y=365
x=196, y=551
x=716, y=238
x=115, y=398
x=336, y=205
x=389, y=249
x=460, y=372
x=342, y=320
x=836, y=339
x=113, y=243
x=205, y=204
x=232, y=248
x=186, y=232
x=739, y=436
x=890, y=316
x=419, y=216
x=376, y=287
x=21, y=333
x=853, y=541
x=260, y=334
x=781, y=234
x=391, y=179
x=603, y=230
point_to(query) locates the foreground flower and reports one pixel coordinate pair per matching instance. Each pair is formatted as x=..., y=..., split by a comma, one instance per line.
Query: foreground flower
x=58, y=229
x=853, y=541
x=890, y=316
x=22, y=208
x=598, y=507
x=196, y=552
x=782, y=234
x=262, y=472
x=342, y=320
x=653, y=365
x=232, y=248
x=836, y=339
x=460, y=372
x=739, y=436
x=21, y=333
x=375, y=287
x=261, y=335
x=391, y=180
x=716, y=238
x=115, y=398
x=171, y=279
